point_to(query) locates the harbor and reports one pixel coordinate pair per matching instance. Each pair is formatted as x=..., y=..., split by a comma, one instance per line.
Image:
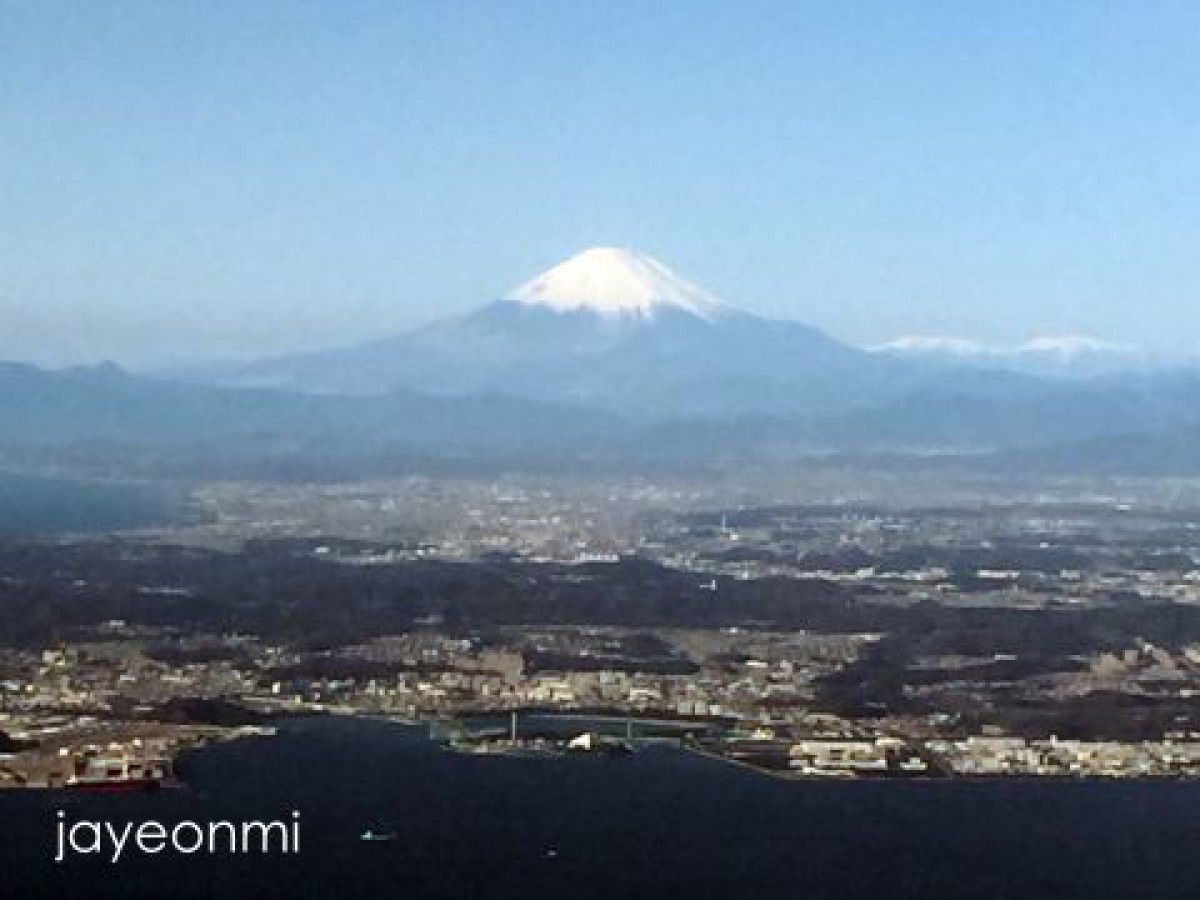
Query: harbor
x=537, y=733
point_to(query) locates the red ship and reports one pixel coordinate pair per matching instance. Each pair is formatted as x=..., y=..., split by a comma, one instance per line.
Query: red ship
x=114, y=785
x=119, y=776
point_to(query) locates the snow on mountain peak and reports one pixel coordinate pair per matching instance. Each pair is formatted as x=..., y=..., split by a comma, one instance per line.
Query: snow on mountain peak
x=1062, y=347
x=615, y=282
x=932, y=343
x=1069, y=347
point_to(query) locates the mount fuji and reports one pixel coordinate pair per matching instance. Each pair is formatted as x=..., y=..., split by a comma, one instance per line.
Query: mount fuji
x=607, y=361
x=610, y=328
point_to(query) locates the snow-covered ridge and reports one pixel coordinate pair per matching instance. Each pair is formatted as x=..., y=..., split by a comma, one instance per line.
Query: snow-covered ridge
x=1063, y=348
x=615, y=282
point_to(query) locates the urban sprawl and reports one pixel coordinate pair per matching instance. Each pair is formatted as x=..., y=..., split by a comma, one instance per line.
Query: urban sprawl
x=1014, y=635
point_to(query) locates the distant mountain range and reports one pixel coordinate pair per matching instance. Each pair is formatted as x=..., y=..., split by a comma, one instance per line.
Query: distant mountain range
x=106, y=403
x=606, y=359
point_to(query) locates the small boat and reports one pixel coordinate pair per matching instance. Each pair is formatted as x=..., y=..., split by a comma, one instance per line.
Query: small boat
x=370, y=835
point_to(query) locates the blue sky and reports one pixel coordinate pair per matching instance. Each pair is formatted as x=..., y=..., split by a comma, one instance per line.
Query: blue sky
x=185, y=180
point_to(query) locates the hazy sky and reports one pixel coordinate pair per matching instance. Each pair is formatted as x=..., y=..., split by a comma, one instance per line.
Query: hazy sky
x=182, y=180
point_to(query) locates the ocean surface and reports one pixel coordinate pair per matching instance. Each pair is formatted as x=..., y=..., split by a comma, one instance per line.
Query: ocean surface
x=661, y=823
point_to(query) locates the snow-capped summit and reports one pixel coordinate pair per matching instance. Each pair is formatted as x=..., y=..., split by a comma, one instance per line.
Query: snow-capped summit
x=615, y=282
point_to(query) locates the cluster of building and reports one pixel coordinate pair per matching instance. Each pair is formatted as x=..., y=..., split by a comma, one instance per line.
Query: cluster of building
x=1179, y=755
x=739, y=675
x=1024, y=555
x=975, y=756
x=562, y=519
x=97, y=676
x=84, y=752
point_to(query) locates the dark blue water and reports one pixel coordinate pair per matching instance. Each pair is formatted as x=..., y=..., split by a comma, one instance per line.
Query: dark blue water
x=659, y=824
